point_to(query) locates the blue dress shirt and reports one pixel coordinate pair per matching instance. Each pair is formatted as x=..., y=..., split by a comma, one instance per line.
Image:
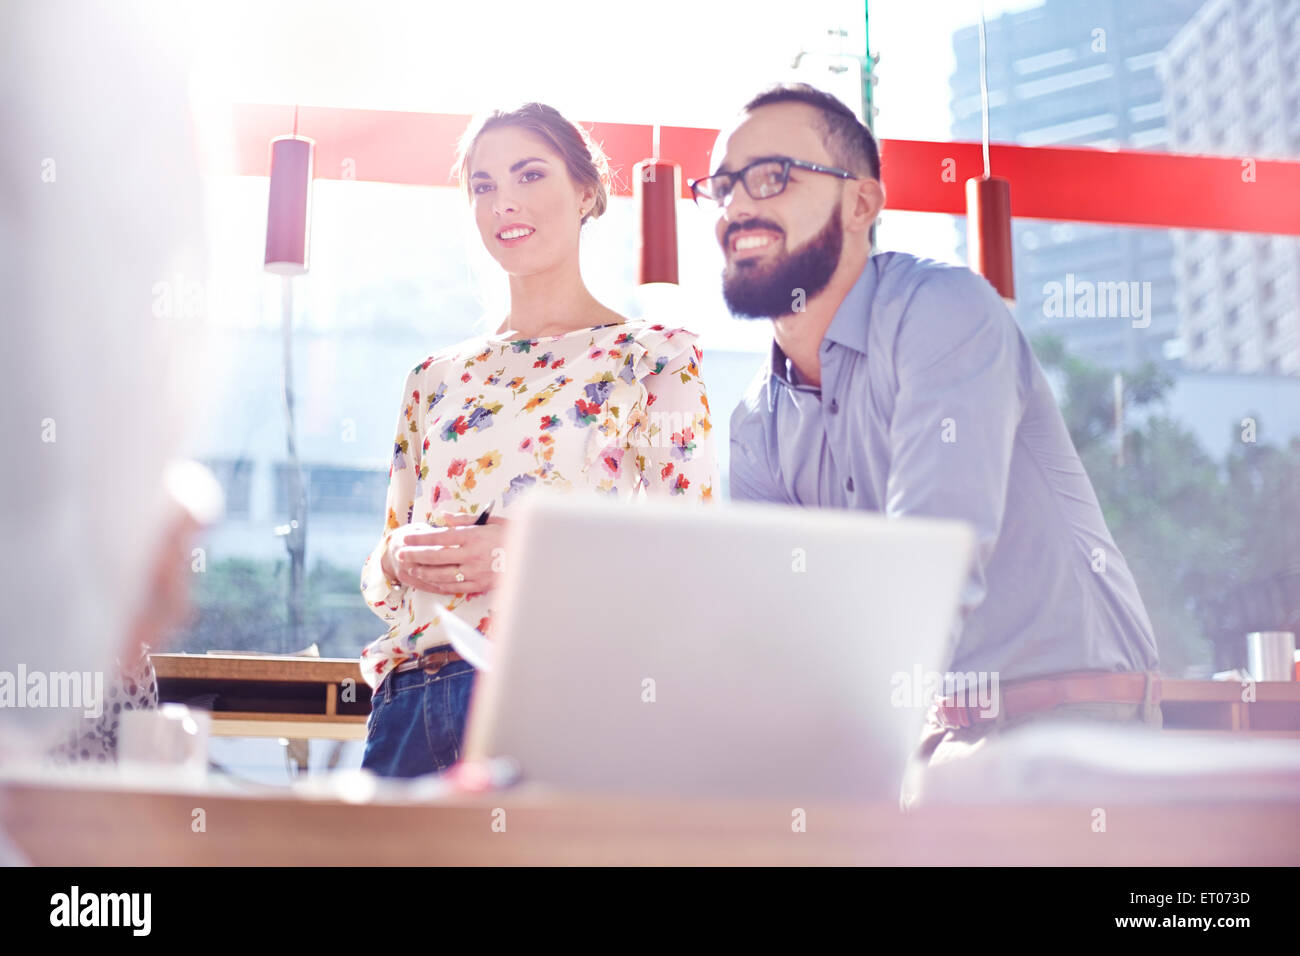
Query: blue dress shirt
x=932, y=403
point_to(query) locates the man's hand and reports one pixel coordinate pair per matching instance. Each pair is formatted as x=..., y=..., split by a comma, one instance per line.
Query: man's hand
x=427, y=558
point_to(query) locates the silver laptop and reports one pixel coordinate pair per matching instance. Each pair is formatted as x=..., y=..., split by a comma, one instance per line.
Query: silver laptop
x=731, y=650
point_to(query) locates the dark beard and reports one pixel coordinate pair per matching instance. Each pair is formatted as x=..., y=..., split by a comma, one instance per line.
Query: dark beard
x=756, y=291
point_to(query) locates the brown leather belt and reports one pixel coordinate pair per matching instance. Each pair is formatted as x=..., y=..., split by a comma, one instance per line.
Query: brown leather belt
x=430, y=661
x=1045, y=693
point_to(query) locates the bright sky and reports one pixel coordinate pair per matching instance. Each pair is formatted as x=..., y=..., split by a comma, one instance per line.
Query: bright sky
x=668, y=62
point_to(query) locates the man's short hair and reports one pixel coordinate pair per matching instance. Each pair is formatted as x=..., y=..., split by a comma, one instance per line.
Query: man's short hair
x=847, y=139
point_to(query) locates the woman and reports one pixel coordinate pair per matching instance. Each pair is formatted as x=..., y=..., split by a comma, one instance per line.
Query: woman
x=567, y=394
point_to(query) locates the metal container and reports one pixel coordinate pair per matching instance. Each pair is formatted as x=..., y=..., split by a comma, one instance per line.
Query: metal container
x=1270, y=655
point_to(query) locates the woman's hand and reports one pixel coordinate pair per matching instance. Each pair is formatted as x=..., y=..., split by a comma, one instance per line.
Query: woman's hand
x=427, y=558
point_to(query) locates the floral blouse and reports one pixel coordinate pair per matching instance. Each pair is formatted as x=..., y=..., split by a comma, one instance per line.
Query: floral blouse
x=620, y=409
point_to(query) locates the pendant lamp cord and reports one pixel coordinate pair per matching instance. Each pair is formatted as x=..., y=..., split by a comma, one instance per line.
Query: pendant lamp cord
x=984, y=90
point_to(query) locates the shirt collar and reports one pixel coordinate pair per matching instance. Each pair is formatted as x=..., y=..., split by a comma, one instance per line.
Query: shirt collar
x=848, y=328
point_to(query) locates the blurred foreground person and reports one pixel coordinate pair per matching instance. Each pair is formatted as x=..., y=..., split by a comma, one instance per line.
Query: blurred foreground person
x=100, y=223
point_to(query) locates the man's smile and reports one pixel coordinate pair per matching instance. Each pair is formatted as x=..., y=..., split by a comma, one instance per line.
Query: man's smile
x=751, y=240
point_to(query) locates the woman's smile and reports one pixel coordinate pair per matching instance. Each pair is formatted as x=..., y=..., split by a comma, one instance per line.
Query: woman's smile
x=514, y=234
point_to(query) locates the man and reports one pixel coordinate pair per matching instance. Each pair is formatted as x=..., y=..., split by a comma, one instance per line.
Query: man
x=903, y=385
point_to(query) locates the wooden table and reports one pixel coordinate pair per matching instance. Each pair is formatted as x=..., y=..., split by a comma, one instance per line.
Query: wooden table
x=1218, y=706
x=325, y=697
x=76, y=825
x=271, y=695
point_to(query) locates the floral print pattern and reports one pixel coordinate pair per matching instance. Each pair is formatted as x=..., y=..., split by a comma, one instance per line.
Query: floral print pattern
x=617, y=409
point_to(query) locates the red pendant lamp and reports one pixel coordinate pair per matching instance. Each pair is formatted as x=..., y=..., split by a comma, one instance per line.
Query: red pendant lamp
x=656, y=186
x=988, y=232
x=988, y=208
x=288, y=214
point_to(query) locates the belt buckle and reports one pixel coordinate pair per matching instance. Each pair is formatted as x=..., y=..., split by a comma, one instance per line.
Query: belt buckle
x=434, y=661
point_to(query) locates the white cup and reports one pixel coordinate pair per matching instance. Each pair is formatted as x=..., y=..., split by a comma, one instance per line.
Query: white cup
x=1270, y=655
x=172, y=736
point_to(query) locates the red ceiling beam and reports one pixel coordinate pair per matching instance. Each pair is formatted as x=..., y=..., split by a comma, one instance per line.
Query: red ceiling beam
x=1121, y=187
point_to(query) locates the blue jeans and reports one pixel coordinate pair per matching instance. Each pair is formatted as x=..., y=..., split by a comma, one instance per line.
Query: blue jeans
x=417, y=721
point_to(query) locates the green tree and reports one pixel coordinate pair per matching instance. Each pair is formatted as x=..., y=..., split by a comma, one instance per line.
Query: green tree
x=240, y=605
x=1194, y=531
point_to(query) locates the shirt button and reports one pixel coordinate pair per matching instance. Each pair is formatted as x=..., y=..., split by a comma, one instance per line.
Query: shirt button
x=835, y=406
x=848, y=485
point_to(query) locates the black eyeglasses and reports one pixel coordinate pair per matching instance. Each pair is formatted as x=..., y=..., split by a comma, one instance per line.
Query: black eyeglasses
x=763, y=179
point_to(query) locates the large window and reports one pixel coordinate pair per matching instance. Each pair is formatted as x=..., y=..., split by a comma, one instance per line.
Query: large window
x=397, y=272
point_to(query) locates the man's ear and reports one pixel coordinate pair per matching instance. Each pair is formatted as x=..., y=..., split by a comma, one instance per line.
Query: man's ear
x=867, y=200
